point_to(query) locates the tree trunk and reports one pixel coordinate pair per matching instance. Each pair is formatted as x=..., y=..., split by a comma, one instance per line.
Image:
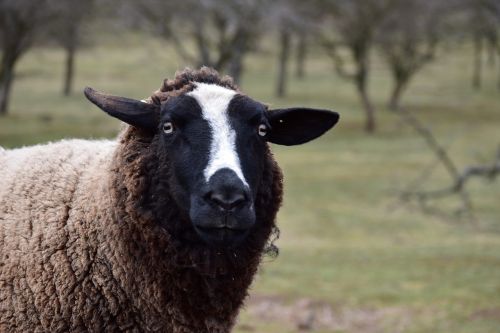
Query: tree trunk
x=492, y=53
x=361, y=58
x=370, y=125
x=361, y=80
x=301, y=56
x=478, y=52
x=282, y=63
x=69, y=69
x=498, y=83
x=399, y=87
x=239, y=48
x=395, y=97
x=235, y=67
x=6, y=78
x=204, y=58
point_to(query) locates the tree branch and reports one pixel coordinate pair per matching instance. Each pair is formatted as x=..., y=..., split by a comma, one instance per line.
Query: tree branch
x=458, y=178
x=332, y=50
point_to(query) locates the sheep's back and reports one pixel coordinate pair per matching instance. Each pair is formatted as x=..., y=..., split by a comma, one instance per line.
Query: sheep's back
x=42, y=177
x=47, y=195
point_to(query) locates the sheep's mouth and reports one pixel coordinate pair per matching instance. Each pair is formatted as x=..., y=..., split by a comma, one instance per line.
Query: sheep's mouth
x=222, y=235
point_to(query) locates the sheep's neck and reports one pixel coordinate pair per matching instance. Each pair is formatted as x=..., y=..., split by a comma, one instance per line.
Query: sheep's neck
x=167, y=295
x=172, y=285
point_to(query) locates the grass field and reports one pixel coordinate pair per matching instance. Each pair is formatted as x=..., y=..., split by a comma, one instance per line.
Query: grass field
x=349, y=261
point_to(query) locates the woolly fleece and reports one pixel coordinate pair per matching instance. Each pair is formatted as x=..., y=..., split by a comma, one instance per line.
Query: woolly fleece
x=90, y=240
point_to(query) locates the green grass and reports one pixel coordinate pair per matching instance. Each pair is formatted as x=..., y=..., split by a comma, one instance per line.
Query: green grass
x=342, y=242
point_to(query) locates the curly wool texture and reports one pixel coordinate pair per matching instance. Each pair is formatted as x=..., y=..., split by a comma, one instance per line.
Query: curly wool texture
x=91, y=239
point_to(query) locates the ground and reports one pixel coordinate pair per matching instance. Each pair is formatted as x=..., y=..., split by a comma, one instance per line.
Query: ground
x=351, y=260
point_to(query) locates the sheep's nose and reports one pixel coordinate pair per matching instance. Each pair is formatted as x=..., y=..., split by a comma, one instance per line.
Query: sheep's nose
x=226, y=191
x=227, y=200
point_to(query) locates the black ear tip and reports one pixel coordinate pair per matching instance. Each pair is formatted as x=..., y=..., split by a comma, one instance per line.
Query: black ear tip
x=331, y=118
x=335, y=117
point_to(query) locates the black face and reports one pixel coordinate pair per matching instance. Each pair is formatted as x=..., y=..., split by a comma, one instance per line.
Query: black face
x=217, y=163
x=216, y=142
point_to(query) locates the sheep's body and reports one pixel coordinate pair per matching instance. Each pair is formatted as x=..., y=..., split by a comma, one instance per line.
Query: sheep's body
x=93, y=239
x=114, y=236
x=77, y=253
x=49, y=235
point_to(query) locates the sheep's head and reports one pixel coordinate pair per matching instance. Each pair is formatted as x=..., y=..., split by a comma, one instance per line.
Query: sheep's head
x=216, y=139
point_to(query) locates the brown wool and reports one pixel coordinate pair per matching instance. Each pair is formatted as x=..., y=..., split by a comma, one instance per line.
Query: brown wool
x=90, y=238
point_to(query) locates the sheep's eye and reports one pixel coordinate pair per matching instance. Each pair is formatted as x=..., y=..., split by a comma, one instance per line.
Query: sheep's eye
x=262, y=130
x=168, y=127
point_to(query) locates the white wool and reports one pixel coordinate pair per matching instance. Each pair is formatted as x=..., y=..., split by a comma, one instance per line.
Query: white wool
x=52, y=156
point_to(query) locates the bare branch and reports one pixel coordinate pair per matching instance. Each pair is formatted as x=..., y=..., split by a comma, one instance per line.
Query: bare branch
x=458, y=178
x=340, y=68
x=432, y=142
x=181, y=50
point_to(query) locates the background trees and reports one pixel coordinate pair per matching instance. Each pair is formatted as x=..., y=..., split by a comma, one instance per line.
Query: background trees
x=355, y=24
x=21, y=22
x=482, y=20
x=221, y=33
x=293, y=23
x=408, y=38
x=67, y=30
x=215, y=33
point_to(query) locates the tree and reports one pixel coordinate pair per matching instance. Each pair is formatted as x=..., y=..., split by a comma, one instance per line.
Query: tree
x=460, y=177
x=21, y=21
x=284, y=45
x=223, y=31
x=407, y=38
x=355, y=23
x=302, y=44
x=483, y=22
x=290, y=18
x=67, y=31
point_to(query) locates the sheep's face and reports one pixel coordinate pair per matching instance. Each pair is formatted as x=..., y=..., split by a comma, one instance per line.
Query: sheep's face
x=215, y=140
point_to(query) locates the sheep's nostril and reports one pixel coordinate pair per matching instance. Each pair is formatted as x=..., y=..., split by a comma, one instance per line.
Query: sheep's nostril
x=227, y=201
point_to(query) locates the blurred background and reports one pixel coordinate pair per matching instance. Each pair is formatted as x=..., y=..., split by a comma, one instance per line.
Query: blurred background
x=391, y=222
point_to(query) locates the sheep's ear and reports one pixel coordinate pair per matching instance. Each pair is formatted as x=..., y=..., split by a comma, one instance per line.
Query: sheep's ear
x=299, y=125
x=133, y=112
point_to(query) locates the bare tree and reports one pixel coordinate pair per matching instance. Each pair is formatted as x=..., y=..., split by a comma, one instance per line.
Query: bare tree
x=284, y=18
x=355, y=23
x=483, y=22
x=67, y=31
x=292, y=19
x=498, y=80
x=460, y=177
x=408, y=38
x=495, y=35
x=285, y=37
x=20, y=22
x=223, y=31
x=302, y=45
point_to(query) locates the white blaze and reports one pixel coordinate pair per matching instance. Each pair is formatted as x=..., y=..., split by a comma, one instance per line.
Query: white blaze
x=214, y=101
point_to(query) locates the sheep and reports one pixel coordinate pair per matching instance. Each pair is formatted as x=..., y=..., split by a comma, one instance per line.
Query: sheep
x=161, y=230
